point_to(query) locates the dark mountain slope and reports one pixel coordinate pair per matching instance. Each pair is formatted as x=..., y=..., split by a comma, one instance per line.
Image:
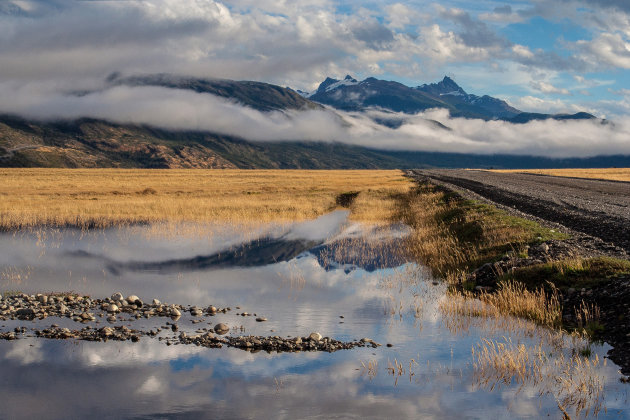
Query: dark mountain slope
x=88, y=143
x=93, y=143
x=351, y=95
x=257, y=95
x=450, y=92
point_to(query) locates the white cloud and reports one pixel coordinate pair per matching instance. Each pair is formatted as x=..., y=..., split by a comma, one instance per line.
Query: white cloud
x=522, y=51
x=546, y=87
x=621, y=92
x=399, y=16
x=611, y=49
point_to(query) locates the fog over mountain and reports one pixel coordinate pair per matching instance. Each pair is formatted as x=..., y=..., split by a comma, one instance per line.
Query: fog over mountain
x=434, y=130
x=523, y=80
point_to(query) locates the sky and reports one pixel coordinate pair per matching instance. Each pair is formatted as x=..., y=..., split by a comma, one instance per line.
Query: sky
x=540, y=56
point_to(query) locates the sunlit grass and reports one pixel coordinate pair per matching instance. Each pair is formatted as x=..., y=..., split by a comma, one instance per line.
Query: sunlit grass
x=511, y=298
x=615, y=174
x=97, y=198
x=453, y=236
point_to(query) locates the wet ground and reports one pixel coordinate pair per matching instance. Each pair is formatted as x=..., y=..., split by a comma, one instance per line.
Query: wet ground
x=343, y=280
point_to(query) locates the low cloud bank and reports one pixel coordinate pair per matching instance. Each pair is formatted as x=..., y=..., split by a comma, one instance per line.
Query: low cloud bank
x=186, y=110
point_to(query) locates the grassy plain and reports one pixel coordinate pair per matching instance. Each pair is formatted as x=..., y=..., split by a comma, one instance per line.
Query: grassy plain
x=614, y=174
x=105, y=197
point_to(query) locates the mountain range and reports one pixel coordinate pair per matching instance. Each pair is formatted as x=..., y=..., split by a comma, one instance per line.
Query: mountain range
x=350, y=94
x=87, y=142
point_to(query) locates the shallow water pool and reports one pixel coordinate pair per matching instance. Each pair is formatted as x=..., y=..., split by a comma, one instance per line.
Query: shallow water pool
x=341, y=279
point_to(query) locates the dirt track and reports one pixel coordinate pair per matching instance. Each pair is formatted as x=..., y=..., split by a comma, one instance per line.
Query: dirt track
x=594, y=207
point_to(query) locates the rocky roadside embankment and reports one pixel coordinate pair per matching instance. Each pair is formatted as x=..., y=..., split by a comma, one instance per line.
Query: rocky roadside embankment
x=85, y=310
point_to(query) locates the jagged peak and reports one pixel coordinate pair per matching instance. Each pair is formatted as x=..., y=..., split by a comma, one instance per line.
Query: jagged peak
x=331, y=84
x=450, y=84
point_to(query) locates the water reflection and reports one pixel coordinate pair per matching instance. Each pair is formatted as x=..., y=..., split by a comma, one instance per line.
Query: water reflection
x=341, y=279
x=257, y=253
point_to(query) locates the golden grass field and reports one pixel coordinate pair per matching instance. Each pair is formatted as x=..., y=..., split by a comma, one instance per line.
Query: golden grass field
x=106, y=197
x=614, y=174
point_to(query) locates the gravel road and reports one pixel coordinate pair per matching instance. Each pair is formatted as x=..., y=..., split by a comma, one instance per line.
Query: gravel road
x=594, y=207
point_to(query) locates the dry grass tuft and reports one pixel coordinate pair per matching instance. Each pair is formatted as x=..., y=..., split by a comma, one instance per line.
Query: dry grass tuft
x=511, y=298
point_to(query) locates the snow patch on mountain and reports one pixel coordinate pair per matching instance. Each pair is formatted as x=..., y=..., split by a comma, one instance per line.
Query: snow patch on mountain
x=348, y=81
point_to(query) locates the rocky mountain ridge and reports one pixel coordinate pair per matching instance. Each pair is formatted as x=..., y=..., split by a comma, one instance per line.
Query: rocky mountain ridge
x=352, y=95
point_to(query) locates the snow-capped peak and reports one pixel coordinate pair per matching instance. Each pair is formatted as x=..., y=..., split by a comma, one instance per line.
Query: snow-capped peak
x=347, y=81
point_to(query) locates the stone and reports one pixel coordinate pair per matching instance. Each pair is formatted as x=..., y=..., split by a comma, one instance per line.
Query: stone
x=175, y=312
x=315, y=336
x=156, y=302
x=132, y=298
x=106, y=332
x=25, y=313
x=221, y=328
x=112, y=308
x=116, y=297
x=261, y=319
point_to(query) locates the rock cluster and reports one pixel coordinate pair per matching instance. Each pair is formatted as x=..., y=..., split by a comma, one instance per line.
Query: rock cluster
x=85, y=309
x=314, y=342
x=120, y=333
